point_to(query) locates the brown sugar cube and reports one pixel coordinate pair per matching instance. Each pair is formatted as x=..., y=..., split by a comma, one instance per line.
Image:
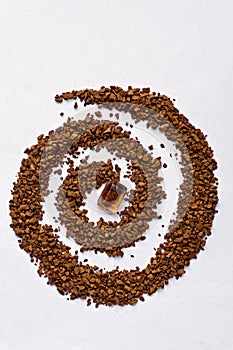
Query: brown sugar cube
x=112, y=196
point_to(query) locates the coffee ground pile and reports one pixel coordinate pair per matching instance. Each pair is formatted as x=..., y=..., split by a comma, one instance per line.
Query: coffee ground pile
x=142, y=203
x=131, y=229
x=182, y=244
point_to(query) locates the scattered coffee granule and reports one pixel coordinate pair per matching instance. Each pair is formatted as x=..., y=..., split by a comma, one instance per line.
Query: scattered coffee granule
x=58, y=99
x=181, y=245
x=75, y=105
x=58, y=171
x=98, y=114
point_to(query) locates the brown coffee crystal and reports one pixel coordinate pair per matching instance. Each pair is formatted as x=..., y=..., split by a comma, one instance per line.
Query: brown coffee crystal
x=112, y=196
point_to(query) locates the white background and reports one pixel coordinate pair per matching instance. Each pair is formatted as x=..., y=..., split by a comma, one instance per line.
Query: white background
x=180, y=48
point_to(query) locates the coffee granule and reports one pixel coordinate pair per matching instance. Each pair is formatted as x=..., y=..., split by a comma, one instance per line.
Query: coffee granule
x=181, y=245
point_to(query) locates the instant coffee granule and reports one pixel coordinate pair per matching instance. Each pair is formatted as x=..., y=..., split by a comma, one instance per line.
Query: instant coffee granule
x=182, y=244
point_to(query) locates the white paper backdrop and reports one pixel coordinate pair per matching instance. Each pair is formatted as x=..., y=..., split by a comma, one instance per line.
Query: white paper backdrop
x=180, y=48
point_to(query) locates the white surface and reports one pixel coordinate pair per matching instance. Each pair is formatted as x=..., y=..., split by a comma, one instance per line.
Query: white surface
x=181, y=48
